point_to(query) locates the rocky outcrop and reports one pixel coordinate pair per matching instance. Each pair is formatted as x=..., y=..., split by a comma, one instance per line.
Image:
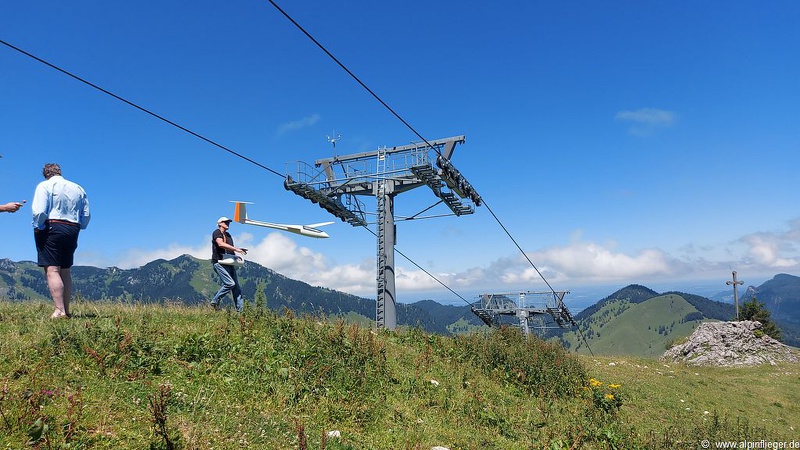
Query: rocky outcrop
x=727, y=344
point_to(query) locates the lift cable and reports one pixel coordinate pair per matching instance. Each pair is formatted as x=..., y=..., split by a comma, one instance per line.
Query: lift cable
x=140, y=108
x=390, y=109
x=239, y=155
x=358, y=80
x=349, y=72
x=517, y=245
x=107, y=92
x=426, y=272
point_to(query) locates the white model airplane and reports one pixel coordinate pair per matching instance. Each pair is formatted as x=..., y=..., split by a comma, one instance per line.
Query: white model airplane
x=232, y=260
x=240, y=216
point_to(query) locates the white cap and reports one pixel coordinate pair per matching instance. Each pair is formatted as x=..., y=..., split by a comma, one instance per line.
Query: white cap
x=224, y=219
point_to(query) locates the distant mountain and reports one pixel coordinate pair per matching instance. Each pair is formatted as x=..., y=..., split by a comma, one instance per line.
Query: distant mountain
x=638, y=321
x=633, y=293
x=710, y=309
x=191, y=281
x=781, y=296
x=635, y=319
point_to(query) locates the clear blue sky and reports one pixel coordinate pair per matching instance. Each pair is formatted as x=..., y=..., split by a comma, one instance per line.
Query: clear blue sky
x=618, y=142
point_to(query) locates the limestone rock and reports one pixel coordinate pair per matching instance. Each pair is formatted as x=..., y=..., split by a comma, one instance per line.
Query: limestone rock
x=727, y=344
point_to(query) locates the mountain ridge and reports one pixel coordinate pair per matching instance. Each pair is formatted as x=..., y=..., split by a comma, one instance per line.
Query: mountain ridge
x=190, y=280
x=781, y=297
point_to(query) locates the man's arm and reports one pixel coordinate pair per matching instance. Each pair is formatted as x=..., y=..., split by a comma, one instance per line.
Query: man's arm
x=11, y=207
x=85, y=215
x=40, y=206
x=222, y=244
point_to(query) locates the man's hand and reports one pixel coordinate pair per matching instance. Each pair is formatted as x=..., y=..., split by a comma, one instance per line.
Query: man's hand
x=12, y=206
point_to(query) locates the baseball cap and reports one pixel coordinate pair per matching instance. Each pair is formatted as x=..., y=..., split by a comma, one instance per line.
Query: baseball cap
x=224, y=219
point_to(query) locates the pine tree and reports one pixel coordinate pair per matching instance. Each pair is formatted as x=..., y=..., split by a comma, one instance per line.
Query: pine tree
x=756, y=310
x=261, y=297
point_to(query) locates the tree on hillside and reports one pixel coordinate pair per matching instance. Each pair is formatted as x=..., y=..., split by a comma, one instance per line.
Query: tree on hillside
x=756, y=310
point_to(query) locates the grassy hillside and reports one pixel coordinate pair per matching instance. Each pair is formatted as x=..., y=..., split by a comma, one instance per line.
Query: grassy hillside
x=644, y=329
x=126, y=376
x=659, y=394
x=192, y=281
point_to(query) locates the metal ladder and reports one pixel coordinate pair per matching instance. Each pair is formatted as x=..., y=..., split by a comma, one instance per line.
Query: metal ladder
x=380, y=303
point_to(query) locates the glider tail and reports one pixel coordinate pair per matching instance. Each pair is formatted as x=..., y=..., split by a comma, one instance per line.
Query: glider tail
x=240, y=212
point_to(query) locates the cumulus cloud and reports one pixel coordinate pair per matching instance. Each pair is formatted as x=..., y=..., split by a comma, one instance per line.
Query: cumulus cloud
x=774, y=250
x=276, y=251
x=282, y=254
x=576, y=263
x=298, y=124
x=646, y=121
x=581, y=262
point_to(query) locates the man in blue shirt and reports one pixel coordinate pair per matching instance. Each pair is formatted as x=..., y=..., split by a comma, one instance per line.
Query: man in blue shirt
x=60, y=210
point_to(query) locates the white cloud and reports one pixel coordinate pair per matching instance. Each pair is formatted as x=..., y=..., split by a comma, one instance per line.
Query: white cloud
x=646, y=121
x=298, y=124
x=281, y=253
x=774, y=250
x=584, y=263
x=577, y=263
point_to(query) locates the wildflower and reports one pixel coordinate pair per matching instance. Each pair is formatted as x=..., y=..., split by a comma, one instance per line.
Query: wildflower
x=595, y=383
x=614, y=386
x=609, y=396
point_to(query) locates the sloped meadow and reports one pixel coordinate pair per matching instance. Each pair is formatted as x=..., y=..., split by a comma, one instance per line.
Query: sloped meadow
x=177, y=377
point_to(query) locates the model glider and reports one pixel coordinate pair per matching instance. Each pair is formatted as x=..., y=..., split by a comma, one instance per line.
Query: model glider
x=232, y=260
x=240, y=216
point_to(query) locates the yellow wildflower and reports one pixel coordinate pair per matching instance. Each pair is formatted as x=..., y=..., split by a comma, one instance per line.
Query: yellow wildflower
x=614, y=386
x=595, y=383
x=609, y=397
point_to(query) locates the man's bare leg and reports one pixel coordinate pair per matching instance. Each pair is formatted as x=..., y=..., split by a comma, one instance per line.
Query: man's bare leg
x=66, y=278
x=56, y=285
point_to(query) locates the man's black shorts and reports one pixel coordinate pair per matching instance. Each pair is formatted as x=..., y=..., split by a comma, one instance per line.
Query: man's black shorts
x=56, y=244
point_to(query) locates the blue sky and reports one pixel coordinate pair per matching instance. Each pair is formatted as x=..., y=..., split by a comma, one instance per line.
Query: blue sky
x=618, y=142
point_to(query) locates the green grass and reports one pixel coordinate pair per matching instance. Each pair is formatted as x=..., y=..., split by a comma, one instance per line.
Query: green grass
x=121, y=376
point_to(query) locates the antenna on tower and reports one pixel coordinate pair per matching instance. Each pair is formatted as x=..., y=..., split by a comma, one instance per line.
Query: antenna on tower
x=334, y=139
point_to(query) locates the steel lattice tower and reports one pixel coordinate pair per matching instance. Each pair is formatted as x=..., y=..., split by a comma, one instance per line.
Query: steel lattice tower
x=335, y=183
x=527, y=306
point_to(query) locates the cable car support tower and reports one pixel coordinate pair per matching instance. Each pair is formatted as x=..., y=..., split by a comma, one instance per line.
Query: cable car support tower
x=532, y=310
x=336, y=183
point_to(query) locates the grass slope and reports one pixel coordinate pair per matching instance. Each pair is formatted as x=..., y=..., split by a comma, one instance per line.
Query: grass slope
x=658, y=395
x=179, y=377
x=642, y=329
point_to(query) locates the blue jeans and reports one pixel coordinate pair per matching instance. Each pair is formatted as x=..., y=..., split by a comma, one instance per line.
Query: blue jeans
x=230, y=283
